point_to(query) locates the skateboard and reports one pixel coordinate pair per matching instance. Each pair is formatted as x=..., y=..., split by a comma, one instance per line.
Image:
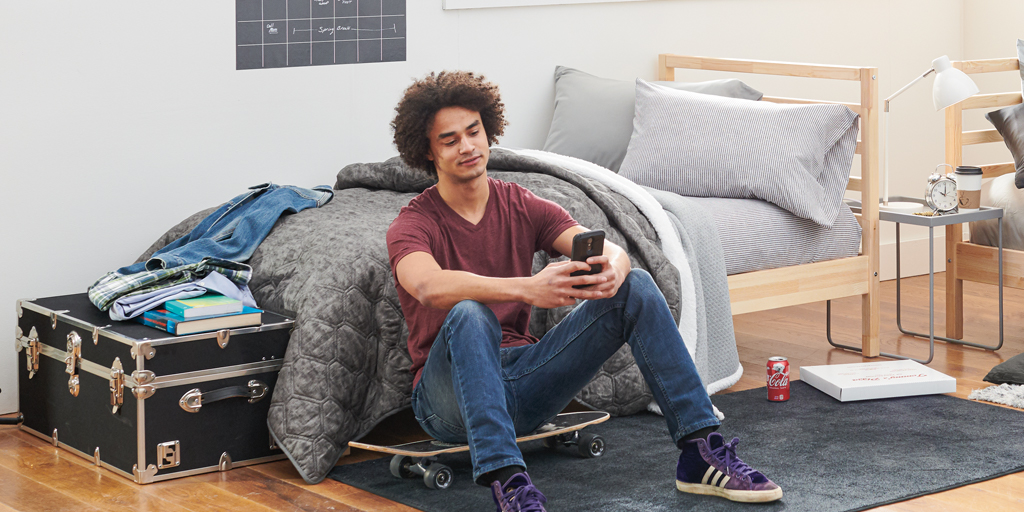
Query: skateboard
x=420, y=458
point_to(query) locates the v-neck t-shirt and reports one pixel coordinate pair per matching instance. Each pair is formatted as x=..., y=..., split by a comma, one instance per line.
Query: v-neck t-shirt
x=515, y=225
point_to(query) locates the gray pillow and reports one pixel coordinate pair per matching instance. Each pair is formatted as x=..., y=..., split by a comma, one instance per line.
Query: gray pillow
x=1009, y=122
x=1009, y=372
x=797, y=157
x=593, y=116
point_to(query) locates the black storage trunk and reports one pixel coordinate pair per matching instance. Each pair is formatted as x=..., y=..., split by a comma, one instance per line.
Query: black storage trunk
x=140, y=402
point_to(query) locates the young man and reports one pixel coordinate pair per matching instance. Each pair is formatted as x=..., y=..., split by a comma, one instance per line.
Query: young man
x=462, y=254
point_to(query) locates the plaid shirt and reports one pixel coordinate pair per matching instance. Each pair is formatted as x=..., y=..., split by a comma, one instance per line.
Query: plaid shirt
x=114, y=286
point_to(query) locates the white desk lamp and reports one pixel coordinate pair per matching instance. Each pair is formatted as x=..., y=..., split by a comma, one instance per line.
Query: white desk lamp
x=951, y=87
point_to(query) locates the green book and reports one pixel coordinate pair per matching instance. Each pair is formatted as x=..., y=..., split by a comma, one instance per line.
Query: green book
x=204, y=306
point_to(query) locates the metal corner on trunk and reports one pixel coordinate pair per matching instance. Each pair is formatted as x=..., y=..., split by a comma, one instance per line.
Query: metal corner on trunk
x=144, y=349
x=144, y=477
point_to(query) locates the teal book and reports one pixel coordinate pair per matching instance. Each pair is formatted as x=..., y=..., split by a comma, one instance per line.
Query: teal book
x=204, y=306
x=175, y=324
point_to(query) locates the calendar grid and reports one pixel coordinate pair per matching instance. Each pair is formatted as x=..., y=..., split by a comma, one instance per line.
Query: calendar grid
x=293, y=33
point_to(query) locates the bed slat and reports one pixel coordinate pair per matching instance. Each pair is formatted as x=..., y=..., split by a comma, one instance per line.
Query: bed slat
x=981, y=137
x=799, y=101
x=764, y=67
x=1000, y=99
x=855, y=184
x=980, y=264
x=788, y=286
x=993, y=170
x=989, y=65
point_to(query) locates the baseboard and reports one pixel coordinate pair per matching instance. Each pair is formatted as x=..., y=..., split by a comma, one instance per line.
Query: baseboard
x=913, y=256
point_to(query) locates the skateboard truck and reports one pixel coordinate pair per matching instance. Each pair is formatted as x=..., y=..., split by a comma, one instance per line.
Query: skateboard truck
x=588, y=445
x=435, y=475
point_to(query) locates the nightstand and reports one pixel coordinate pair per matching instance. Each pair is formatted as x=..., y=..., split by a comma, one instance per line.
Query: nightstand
x=931, y=222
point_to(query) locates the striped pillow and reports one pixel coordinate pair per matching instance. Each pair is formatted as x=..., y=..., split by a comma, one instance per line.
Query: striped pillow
x=795, y=156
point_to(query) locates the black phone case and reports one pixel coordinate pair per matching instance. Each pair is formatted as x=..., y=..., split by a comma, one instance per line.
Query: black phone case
x=581, y=250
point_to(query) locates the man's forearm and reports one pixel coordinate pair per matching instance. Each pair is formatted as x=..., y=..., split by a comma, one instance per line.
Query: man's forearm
x=446, y=288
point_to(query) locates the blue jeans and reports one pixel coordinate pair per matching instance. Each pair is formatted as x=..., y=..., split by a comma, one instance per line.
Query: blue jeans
x=473, y=391
x=234, y=230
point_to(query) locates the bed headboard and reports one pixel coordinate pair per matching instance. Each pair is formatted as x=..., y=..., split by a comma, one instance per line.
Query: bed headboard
x=867, y=108
x=956, y=137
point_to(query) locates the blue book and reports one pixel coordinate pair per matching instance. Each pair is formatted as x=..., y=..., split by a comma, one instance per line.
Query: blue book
x=177, y=325
x=210, y=304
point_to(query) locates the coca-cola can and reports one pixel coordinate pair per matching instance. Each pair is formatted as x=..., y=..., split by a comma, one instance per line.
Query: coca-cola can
x=778, y=379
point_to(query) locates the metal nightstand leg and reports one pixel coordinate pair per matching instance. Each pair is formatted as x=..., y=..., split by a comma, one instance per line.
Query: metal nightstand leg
x=931, y=304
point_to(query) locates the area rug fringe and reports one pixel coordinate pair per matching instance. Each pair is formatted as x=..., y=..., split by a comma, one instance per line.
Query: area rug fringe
x=1006, y=394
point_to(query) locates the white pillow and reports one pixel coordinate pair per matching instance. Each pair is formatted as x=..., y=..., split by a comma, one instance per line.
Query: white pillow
x=593, y=116
x=1000, y=192
x=795, y=156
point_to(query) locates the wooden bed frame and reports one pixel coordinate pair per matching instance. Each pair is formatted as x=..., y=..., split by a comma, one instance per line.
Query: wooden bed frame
x=815, y=282
x=966, y=261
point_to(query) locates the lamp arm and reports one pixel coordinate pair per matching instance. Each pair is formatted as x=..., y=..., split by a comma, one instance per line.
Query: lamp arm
x=905, y=87
x=885, y=168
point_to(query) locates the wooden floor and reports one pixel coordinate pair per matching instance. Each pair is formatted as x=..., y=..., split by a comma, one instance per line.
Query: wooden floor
x=34, y=476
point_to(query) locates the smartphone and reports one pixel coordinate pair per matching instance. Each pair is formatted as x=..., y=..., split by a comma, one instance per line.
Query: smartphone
x=585, y=245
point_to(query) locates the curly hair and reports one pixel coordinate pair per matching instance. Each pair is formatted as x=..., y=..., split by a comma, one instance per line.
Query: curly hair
x=414, y=114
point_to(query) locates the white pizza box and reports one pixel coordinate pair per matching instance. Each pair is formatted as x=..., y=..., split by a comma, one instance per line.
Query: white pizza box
x=883, y=379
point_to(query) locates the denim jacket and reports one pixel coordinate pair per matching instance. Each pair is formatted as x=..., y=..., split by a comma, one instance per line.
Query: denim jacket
x=235, y=230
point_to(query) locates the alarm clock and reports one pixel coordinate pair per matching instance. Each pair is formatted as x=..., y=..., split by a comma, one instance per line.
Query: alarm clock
x=940, y=193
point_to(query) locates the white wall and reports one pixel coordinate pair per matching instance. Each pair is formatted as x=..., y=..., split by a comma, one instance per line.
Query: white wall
x=120, y=118
x=991, y=30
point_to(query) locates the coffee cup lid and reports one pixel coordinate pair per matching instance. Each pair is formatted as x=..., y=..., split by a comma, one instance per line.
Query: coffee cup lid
x=968, y=169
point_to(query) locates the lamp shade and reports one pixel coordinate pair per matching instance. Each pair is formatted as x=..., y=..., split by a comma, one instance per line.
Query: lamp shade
x=951, y=85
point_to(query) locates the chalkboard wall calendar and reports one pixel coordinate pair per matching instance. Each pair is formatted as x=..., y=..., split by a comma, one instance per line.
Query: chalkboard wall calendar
x=287, y=33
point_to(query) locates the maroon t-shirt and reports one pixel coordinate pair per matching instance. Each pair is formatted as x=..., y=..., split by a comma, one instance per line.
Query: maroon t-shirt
x=515, y=225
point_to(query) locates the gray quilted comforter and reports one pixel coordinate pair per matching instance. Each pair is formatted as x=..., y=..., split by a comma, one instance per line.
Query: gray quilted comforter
x=346, y=367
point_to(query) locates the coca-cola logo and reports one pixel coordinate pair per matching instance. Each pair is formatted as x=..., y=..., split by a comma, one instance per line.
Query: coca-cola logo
x=778, y=378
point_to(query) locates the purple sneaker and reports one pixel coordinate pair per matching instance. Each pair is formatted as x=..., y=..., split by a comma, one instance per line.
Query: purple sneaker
x=712, y=467
x=518, y=495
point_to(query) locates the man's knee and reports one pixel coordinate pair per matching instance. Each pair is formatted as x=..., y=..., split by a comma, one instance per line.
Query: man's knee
x=472, y=317
x=639, y=281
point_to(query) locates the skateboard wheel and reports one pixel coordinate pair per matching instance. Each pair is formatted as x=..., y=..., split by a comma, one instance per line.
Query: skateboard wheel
x=400, y=466
x=438, y=476
x=591, y=445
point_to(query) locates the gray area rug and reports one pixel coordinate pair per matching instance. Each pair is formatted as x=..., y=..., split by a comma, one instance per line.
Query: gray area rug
x=826, y=456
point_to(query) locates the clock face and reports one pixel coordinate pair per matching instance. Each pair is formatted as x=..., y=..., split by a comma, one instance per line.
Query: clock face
x=943, y=195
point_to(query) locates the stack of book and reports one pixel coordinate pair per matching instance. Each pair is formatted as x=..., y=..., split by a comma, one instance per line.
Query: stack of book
x=210, y=312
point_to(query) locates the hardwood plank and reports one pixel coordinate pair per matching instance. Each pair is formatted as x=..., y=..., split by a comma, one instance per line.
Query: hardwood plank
x=272, y=493
x=333, y=489
x=1011, y=486
x=975, y=499
x=196, y=493
x=55, y=468
x=19, y=492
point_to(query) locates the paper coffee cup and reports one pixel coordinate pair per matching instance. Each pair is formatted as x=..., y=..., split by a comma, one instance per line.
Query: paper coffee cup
x=968, y=188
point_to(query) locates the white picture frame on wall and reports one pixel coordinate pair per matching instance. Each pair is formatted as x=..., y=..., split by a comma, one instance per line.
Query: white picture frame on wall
x=482, y=4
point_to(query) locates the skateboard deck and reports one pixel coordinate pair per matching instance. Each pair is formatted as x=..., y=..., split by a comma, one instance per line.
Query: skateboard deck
x=563, y=423
x=419, y=458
